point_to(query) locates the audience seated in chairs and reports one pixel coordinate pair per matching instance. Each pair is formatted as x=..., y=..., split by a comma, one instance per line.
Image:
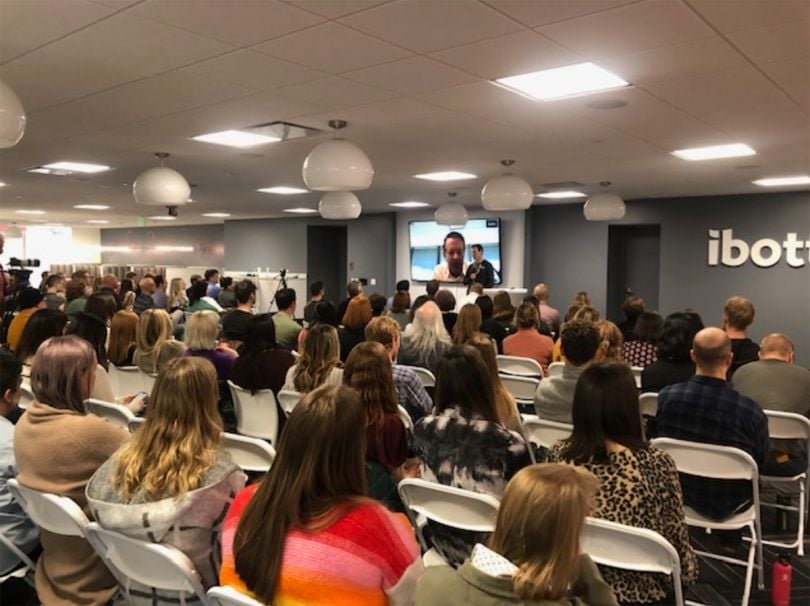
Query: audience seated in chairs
x=316, y=295
x=578, y=311
x=227, y=296
x=123, y=337
x=358, y=315
x=489, y=326
x=533, y=557
x=177, y=299
x=76, y=295
x=54, y=290
x=172, y=482
x=610, y=342
x=306, y=534
x=235, y=322
x=674, y=363
x=738, y=315
x=465, y=443
x=319, y=362
x=102, y=305
x=447, y=305
x=549, y=316
x=378, y=303
x=198, y=300
x=503, y=311
x=505, y=403
x=43, y=325
x=154, y=343
x=425, y=339
x=287, y=328
x=144, y=300
x=632, y=308
x=399, y=308
x=353, y=289
x=641, y=350
x=468, y=324
x=92, y=329
x=324, y=313
x=527, y=342
x=639, y=484
x=30, y=301
x=58, y=448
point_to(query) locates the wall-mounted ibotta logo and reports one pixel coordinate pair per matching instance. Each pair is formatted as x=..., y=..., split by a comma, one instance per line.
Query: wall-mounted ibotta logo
x=725, y=249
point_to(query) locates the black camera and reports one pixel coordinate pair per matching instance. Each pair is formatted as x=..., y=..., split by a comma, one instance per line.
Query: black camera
x=172, y=211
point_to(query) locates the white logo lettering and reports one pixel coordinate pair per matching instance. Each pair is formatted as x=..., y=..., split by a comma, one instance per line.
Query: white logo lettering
x=725, y=249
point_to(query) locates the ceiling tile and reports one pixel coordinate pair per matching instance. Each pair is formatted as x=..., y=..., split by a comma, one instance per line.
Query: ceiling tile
x=332, y=9
x=411, y=76
x=792, y=77
x=749, y=14
x=335, y=92
x=332, y=48
x=774, y=43
x=542, y=12
x=29, y=24
x=116, y=4
x=261, y=108
x=237, y=22
x=629, y=29
x=370, y=117
x=117, y=50
x=254, y=70
x=508, y=55
x=430, y=26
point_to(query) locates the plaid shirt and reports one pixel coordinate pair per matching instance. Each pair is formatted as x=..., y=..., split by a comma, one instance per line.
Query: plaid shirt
x=411, y=394
x=705, y=409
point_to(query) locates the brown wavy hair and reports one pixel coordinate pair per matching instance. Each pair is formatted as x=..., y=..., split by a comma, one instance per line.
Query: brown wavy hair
x=321, y=354
x=468, y=324
x=368, y=372
x=123, y=333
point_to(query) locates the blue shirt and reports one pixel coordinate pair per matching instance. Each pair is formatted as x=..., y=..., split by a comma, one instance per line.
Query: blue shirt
x=705, y=409
x=411, y=393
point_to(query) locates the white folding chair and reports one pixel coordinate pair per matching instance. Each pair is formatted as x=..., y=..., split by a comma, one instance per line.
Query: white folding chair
x=790, y=426
x=135, y=423
x=722, y=463
x=228, y=596
x=26, y=395
x=251, y=454
x=21, y=571
x=428, y=379
x=454, y=507
x=156, y=566
x=125, y=380
x=522, y=388
x=147, y=381
x=555, y=369
x=256, y=415
x=629, y=548
x=516, y=365
x=545, y=433
x=648, y=404
x=115, y=413
x=288, y=400
x=637, y=370
x=407, y=421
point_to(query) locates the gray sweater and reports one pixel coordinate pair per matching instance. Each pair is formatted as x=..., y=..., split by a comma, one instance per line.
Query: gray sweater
x=554, y=397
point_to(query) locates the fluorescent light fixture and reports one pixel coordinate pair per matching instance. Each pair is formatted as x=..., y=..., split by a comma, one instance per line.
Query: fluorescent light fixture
x=98, y=221
x=561, y=195
x=92, y=206
x=447, y=175
x=174, y=248
x=714, y=152
x=561, y=82
x=301, y=211
x=284, y=190
x=783, y=181
x=30, y=212
x=77, y=167
x=409, y=204
x=40, y=171
x=115, y=249
x=236, y=138
x=217, y=215
x=2, y=184
x=163, y=218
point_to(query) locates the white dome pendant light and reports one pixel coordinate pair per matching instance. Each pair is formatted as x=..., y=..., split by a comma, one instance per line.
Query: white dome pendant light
x=161, y=186
x=507, y=192
x=452, y=215
x=604, y=207
x=337, y=165
x=340, y=205
x=12, y=117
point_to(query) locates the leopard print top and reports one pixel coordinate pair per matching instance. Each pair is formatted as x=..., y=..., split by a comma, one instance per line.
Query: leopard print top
x=641, y=488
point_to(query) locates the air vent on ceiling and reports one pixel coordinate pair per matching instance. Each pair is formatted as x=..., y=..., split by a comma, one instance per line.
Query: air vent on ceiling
x=563, y=185
x=284, y=131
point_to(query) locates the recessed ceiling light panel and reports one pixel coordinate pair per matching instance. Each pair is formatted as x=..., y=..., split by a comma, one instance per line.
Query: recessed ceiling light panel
x=163, y=218
x=561, y=195
x=301, y=211
x=98, y=221
x=283, y=190
x=92, y=207
x=77, y=167
x=30, y=212
x=783, y=181
x=236, y=138
x=217, y=215
x=409, y=204
x=562, y=82
x=446, y=175
x=715, y=152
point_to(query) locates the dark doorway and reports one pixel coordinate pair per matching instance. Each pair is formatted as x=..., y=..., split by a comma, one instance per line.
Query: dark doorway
x=633, y=266
x=326, y=259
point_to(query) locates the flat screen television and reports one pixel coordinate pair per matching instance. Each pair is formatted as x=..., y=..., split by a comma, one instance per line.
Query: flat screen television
x=426, y=238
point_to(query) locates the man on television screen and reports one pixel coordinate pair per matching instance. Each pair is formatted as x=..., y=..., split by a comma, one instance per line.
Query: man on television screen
x=454, y=268
x=480, y=270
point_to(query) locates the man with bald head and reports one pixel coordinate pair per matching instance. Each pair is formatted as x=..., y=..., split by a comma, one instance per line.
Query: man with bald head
x=776, y=383
x=705, y=409
x=548, y=315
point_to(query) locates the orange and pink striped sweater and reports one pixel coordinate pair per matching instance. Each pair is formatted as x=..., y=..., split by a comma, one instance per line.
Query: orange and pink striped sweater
x=369, y=557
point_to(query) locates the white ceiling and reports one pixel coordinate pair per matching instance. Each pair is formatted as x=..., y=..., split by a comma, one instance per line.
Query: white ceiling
x=112, y=81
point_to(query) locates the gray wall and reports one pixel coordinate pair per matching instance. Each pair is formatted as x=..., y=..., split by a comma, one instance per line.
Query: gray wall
x=570, y=254
x=207, y=240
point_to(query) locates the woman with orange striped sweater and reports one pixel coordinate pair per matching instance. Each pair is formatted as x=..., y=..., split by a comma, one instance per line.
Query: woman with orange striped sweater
x=306, y=534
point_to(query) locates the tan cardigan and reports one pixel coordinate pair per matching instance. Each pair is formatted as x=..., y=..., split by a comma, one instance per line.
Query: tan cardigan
x=57, y=451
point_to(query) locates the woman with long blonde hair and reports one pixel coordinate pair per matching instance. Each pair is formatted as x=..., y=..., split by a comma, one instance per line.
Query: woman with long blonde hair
x=505, y=403
x=468, y=324
x=154, y=343
x=533, y=557
x=306, y=534
x=319, y=362
x=173, y=480
x=123, y=336
x=178, y=299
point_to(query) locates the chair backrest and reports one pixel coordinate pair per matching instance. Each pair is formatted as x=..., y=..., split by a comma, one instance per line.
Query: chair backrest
x=289, y=399
x=648, y=404
x=228, y=596
x=135, y=423
x=26, y=395
x=251, y=454
x=516, y=365
x=709, y=460
x=407, y=421
x=125, y=380
x=256, y=415
x=454, y=507
x=148, y=381
x=630, y=548
x=27, y=564
x=637, y=370
x=788, y=426
x=545, y=433
x=428, y=379
x=54, y=513
x=157, y=566
x=555, y=369
x=522, y=388
x=115, y=413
